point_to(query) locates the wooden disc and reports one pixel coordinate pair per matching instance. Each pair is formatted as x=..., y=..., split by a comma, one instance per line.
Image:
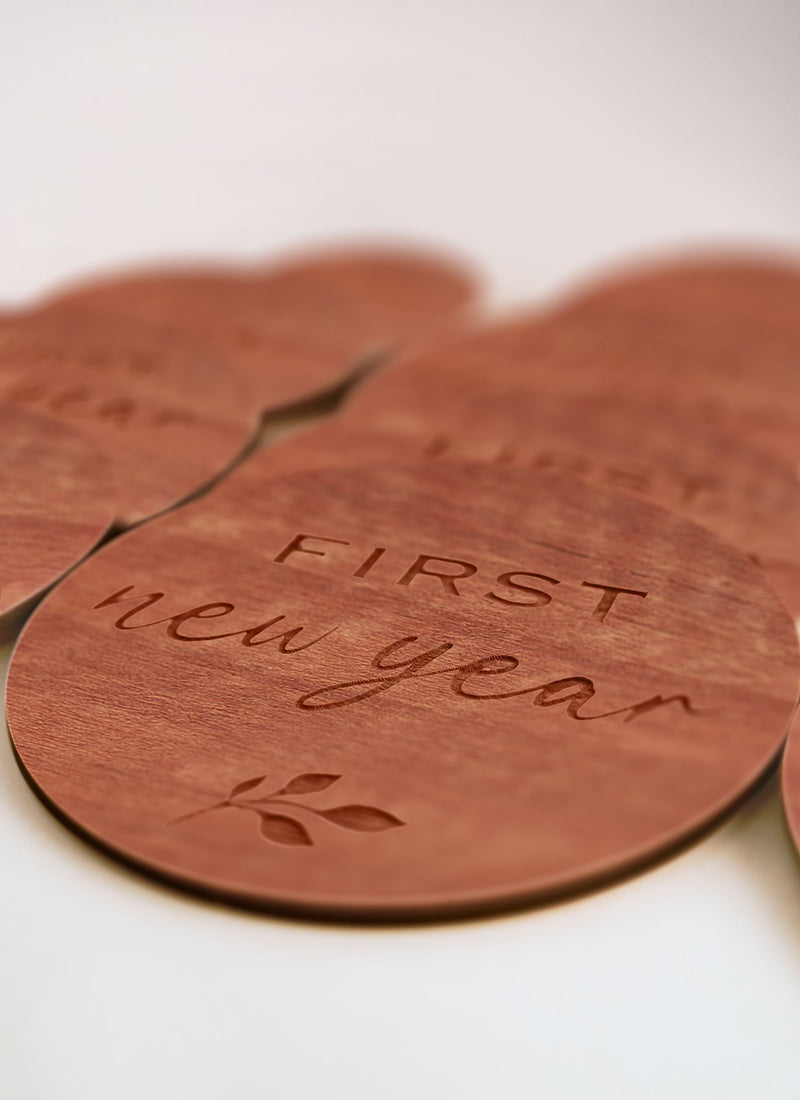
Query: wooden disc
x=749, y=293
x=384, y=693
x=294, y=330
x=744, y=494
x=56, y=502
x=743, y=384
x=165, y=415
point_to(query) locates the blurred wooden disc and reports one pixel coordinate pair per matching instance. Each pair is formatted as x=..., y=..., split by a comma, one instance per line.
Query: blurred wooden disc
x=742, y=384
x=166, y=416
x=56, y=502
x=740, y=292
x=297, y=329
x=744, y=494
x=396, y=694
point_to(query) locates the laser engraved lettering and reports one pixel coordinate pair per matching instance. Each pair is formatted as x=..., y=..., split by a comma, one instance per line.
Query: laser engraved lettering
x=448, y=579
x=512, y=587
x=539, y=597
x=249, y=635
x=79, y=401
x=571, y=691
x=610, y=593
x=296, y=546
x=369, y=561
x=579, y=689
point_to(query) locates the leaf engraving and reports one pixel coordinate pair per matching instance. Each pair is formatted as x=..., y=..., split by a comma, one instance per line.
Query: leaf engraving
x=363, y=819
x=308, y=783
x=246, y=785
x=283, y=830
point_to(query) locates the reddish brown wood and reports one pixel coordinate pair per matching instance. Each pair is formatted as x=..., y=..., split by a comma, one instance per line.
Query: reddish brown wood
x=745, y=383
x=749, y=293
x=790, y=781
x=506, y=686
x=744, y=494
x=295, y=329
x=56, y=502
x=167, y=416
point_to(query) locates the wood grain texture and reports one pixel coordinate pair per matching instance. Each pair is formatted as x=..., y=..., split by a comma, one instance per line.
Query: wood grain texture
x=744, y=381
x=403, y=693
x=166, y=416
x=744, y=494
x=56, y=502
x=295, y=329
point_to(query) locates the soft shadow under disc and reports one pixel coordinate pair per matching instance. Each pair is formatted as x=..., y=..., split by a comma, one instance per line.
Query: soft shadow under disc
x=166, y=416
x=389, y=694
x=56, y=502
x=296, y=329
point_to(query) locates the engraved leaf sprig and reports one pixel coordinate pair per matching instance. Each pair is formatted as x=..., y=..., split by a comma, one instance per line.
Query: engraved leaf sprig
x=283, y=828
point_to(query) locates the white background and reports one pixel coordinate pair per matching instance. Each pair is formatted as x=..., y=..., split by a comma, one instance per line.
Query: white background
x=542, y=141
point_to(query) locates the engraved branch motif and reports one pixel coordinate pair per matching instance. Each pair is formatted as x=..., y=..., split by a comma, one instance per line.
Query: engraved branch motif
x=280, y=828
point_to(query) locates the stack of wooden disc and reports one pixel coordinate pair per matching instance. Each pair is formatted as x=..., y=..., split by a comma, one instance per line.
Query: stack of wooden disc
x=515, y=619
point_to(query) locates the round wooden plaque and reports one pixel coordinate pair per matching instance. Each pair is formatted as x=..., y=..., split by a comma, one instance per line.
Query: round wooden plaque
x=56, y=502
x=745, y=383
x=743, y=293
x=294, y=330
x=166, y=416
x=744, y=494
x=387, y=694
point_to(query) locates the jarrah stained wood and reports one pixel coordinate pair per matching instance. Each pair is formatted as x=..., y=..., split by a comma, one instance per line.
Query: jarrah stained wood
x=740, y=379
x=295, y=329
x=56, y=502
x=403, y=693
x=166, y=416
x=744, y=292
x=744, y=494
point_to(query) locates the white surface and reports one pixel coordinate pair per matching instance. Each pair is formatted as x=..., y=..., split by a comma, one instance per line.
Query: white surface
x=541, y=139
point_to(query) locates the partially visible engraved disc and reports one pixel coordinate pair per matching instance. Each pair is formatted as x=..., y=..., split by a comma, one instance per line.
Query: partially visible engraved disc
x=296, y=329
x=743, y=380
x=167, y=417
x=56, y=502
x=404, y=693
x=658, y=451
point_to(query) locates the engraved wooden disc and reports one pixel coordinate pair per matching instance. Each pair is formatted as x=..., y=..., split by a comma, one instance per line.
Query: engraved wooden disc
x=56, y=502
x=384, y=693
x=167, y=416
x=747, y=382
x=742, y=493
x=297, y=329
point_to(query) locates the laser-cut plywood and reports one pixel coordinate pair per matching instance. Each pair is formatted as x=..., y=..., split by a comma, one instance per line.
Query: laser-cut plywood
x=293, y=330
x=745, y=495
x=56, y=502
x=744, y=380
x=167, y=417
x=403, y=693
